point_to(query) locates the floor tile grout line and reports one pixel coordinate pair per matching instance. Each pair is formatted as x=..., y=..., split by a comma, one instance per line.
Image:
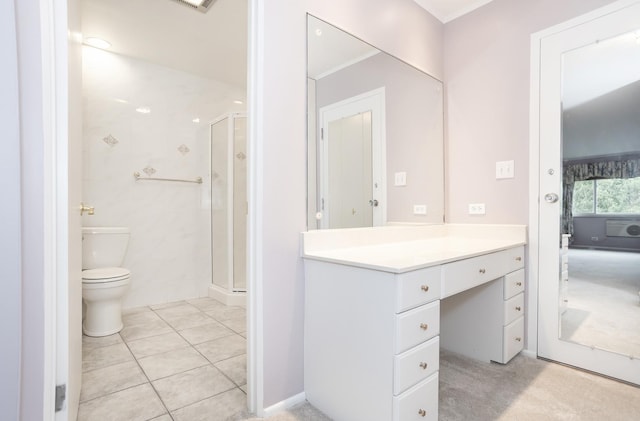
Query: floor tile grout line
x=149, y=381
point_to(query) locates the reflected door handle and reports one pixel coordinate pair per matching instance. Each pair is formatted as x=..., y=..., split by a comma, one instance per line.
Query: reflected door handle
x=551, y=198
x=373, y=202
x=89, y=209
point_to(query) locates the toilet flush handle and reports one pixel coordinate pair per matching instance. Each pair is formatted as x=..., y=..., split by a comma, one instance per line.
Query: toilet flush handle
x=89, y=209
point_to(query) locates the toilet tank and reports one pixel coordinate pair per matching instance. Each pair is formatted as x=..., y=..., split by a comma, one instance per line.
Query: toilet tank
x=104, y=246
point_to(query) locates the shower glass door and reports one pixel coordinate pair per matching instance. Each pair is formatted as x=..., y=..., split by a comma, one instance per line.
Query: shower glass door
x=229, y=202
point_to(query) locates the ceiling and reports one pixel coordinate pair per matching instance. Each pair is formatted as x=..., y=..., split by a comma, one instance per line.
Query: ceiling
x=447, y=10
x=166, y=32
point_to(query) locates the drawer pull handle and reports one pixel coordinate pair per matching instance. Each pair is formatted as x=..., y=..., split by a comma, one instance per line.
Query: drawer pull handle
x=482, y=270
x=424, y=326
x=425, y=288
x=423, y=365
x=519, y=339
x=518, y=259
x=518, y=284
x=422, y=412
x=518, y=308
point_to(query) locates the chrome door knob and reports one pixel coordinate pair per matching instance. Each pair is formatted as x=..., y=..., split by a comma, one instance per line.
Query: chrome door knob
x=551, y=198
x=373, y=202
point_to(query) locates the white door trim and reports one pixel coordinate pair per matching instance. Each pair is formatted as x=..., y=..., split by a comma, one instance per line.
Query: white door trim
x=255, y=188
x=374, y=101
x=542, y=311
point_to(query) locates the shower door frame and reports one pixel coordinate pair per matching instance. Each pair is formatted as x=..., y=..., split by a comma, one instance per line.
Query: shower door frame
x=230, y=117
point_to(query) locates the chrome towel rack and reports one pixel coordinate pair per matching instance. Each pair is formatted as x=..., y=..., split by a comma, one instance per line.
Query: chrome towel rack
x=138, y=177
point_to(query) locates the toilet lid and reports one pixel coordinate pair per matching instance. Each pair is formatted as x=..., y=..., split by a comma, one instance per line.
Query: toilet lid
x=105, y=275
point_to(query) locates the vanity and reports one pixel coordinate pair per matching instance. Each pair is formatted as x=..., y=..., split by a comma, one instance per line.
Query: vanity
x=380, y=303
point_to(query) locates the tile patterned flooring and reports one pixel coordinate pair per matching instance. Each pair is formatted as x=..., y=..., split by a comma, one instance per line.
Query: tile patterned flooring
x=178, y=361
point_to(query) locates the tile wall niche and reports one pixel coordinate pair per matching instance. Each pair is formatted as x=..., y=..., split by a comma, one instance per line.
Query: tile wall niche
x=138, y=115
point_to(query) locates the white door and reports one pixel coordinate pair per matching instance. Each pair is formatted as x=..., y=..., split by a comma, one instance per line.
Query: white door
x=617, y=23
x=68, y=190
x=352, y=156
x=350, y=192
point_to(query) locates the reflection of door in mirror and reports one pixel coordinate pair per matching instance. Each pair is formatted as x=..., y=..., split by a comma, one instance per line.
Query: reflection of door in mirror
x=351, y=153
x=589, y=314
x=601, y=203
x=348, y=199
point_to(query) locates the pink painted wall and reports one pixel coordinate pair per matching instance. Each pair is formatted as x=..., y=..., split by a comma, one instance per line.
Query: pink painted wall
x=400, y=27
x=486, y=68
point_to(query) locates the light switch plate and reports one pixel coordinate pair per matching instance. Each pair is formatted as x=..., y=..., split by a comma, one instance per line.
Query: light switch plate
x=400, y=179
x=504, y=169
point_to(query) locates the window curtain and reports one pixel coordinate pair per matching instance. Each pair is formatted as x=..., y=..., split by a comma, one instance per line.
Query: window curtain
x=580, y=171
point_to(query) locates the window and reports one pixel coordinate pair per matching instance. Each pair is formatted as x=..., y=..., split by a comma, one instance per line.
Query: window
x=607, y=196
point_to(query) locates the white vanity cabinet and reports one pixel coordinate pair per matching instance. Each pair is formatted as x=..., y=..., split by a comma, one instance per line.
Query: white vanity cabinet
x=486, y=320
x=371, y=342
x=380, y=303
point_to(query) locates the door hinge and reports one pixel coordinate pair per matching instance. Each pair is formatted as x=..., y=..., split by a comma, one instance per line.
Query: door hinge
x=322, y=134
x=322, y=204
x=61, y=396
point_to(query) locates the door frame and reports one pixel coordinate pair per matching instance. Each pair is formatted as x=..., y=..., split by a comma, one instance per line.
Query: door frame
x=538, y=313
x=373, y=101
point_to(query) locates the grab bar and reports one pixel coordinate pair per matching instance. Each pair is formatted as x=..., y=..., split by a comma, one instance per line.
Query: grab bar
x=138, y=177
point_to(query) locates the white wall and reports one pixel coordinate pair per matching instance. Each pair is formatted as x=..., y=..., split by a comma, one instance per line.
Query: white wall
x=169, y=252
x=400, y=27
x=33, y=189
x=486, y=66
x=10, y=250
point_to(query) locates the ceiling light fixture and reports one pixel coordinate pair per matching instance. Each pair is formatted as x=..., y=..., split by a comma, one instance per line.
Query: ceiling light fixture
x=201, y=5
x=237, y=101
x=143, y=110
x=97, y=42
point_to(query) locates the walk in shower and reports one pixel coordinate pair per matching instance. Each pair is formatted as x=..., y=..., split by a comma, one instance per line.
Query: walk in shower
x=229, y=208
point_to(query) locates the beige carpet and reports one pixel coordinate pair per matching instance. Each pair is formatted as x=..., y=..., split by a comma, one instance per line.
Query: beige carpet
x=526, y=389
x=604, y=305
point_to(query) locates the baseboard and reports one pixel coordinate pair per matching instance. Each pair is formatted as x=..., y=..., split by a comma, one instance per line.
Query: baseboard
x=228, y=298
x=529, y=353
x=285, y=404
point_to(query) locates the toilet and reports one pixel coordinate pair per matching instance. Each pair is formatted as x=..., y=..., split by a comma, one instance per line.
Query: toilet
x=104, y=282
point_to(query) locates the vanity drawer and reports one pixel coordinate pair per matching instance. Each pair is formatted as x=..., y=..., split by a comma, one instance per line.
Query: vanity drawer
x=512, y=340
x=416, y=326
x=513, y=283
x=468, y=273
x=418, y=403
x=417, y=287
x=513, y=308
x=516, y=258
x=416, y=364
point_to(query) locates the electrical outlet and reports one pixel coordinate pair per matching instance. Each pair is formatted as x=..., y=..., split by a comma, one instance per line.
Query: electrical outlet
x=476, y=209
x=419, y=209
x=504, y=169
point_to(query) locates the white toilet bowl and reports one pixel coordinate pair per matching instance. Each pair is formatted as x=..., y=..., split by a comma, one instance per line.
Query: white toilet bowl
x=102, y=290
x=104, y=282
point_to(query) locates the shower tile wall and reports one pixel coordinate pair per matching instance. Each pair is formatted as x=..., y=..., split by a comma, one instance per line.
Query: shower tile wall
x=137, y=116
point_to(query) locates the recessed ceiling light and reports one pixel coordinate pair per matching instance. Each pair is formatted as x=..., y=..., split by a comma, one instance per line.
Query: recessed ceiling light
x=195, y=3
x=97, y=42
x=237, y=101
x=143, y=110
x=196, y=120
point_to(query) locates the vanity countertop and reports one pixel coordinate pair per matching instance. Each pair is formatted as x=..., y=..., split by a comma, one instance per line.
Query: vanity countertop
x=403, y=248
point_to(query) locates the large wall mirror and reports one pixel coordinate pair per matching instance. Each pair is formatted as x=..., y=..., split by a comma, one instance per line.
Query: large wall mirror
x=375, y=135
x=600, y=276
